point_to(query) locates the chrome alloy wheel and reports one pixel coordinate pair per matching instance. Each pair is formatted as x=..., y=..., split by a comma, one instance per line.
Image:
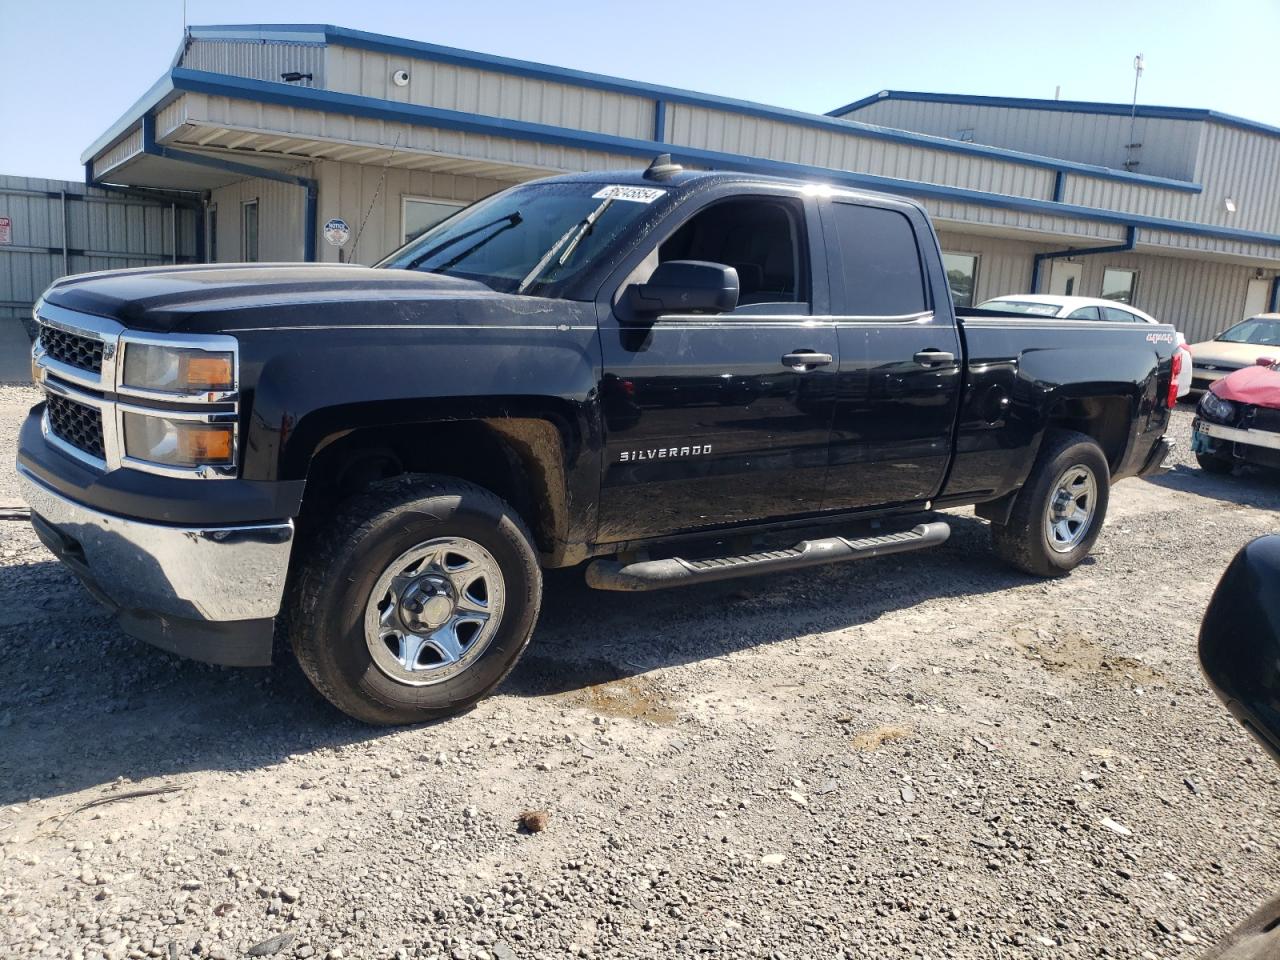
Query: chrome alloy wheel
x=1069, y=516
x=434, y=610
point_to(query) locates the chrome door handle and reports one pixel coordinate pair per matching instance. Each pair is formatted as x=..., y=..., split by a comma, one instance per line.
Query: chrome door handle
x=802, y=361
x=934, y=358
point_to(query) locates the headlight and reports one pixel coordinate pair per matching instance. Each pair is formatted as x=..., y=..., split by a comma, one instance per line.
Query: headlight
x=1213, y=407
x=178, y=369
x=178, y=443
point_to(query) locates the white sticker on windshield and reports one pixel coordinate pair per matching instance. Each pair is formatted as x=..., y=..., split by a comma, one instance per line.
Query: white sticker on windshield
x=633, y=194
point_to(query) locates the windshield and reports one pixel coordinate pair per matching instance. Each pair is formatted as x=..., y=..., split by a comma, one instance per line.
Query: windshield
x=526, y=238
x=1257, y=330
x=1022, y=306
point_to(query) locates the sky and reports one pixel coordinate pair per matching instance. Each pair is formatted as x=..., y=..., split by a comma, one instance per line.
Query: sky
x=72, y=67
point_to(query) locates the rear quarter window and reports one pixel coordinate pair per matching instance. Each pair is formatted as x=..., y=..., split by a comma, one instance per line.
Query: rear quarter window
x=1116, y=315
x=1084, y=313
x=879, y=261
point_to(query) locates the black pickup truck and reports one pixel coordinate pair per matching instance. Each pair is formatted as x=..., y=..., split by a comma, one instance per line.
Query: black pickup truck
x=654, y=374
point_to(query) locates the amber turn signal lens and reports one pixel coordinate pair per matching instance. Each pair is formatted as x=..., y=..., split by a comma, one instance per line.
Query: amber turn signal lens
x=211, y=372
x=205, y=445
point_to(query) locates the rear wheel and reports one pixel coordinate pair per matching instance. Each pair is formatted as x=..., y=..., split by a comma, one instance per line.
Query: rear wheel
x=1058, y=513
x=1212, y=463
x=417, y=600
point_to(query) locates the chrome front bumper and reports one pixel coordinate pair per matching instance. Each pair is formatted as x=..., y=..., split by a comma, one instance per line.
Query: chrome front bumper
x=210, y=593
x=1253, y=438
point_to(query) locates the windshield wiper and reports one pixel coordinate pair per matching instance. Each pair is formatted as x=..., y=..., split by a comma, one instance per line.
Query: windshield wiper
x=473, y=248
x=511, y=220
x=568, y=241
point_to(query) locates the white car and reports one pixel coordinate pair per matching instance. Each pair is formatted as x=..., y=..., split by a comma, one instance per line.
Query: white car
x=1087, y=308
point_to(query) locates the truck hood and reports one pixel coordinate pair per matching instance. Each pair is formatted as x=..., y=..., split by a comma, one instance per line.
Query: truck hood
x=226, y=297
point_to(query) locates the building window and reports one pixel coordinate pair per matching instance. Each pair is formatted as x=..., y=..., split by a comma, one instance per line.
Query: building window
x=418, y=215
x=211, y=217
x=1119, y=285
x=249, y=231
x=962, y=276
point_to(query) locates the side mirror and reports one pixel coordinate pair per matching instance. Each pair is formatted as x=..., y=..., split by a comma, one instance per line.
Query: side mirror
x=686, y=286
x=1240, y=640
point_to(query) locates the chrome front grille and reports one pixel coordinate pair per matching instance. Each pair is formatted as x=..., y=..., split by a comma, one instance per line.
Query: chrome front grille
x=78, y=363
x=78, y=425
x=73, y=349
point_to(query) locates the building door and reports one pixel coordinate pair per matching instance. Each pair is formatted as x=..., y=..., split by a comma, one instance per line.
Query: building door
x=1255, y=298
x=1064, y=280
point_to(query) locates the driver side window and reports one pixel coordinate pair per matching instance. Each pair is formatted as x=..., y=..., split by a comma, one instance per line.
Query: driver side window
x=762, y=238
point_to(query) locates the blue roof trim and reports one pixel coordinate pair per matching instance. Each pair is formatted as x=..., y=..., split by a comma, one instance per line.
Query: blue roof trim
x=361, y=39
x=309, y=98
x=161, y=91
x=1062, y=106
x=289, y=33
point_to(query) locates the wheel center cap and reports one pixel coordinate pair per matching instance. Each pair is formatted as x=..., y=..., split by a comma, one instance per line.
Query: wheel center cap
x=427, y=604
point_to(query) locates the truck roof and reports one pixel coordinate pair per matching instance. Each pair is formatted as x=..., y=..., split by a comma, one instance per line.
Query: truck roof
x=686, y=180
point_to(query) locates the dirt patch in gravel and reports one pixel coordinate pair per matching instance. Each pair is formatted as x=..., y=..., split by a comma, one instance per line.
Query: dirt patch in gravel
x=1083, y=656
x=633, y=698
x=877, y=738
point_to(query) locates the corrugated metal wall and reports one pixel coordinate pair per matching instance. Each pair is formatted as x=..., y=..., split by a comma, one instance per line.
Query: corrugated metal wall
x=1169, y=147
x=1245, y=166
x=1069, y=229
x=1004, y=266
x=101, y=230
x=402, y=138
x=352, y=191
x=258, y=59
x=368, y=74
x=281, y=218
x=1199, y=297
x=128, y=146
x=779, y=140
x=1227, y=161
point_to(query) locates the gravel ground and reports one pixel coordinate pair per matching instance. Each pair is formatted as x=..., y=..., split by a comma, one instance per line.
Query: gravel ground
x=923, y=756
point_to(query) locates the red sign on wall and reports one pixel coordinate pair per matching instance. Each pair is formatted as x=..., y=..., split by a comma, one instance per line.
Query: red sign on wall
x=6, y=230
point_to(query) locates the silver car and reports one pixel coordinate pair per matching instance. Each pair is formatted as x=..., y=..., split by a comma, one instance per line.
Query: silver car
x=1241, y=346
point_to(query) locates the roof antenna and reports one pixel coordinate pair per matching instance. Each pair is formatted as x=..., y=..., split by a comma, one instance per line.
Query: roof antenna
x=661, y=168
x=1130, y=160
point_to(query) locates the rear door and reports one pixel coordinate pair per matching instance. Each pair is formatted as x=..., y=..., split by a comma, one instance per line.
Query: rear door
x=714, y=420
x=1064, y=279
x=900, y=376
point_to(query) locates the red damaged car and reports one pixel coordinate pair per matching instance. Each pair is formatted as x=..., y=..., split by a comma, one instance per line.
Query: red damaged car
x=1238, y=419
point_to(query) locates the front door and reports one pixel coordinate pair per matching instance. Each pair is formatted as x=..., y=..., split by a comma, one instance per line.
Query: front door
x=1064, y=279
x=711, y=420
x=1255, y=300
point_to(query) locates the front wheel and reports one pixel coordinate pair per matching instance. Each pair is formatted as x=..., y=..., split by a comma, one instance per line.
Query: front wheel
x=1058, y=513
x=417, y=600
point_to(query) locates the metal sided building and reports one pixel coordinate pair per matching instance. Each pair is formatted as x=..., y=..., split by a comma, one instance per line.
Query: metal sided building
x=282, y=128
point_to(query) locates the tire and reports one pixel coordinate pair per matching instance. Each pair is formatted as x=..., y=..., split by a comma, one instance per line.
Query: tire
x=1212, y=463
x=410, y=539
x=1028, y=541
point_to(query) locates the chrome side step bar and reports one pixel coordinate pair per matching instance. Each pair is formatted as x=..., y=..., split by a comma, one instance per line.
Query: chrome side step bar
x=677, y=572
